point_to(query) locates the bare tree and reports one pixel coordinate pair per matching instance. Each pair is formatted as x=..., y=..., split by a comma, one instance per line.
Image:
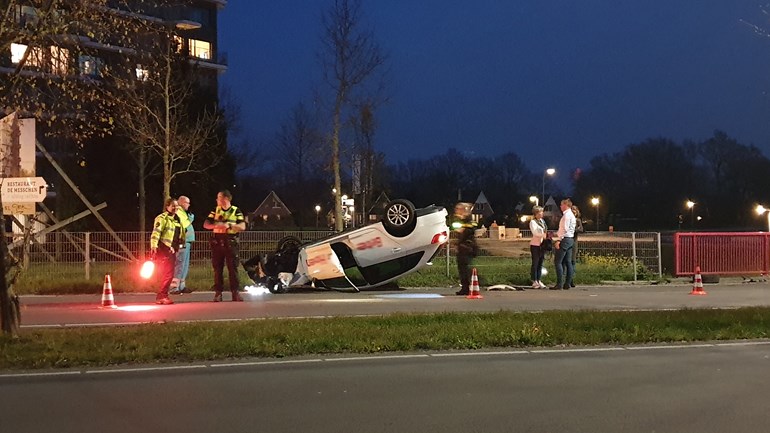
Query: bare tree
x=350, y=56
x=38, y=82
x=165, y=111
x=368, y=164
x=44, y=38
x=297, y=144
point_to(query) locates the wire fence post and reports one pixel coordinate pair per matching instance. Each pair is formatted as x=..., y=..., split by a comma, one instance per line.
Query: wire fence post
x=633, y=252
x=660, y=260
x=87, y=255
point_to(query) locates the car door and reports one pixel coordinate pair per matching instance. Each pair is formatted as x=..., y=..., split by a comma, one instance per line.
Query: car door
x=372, y=245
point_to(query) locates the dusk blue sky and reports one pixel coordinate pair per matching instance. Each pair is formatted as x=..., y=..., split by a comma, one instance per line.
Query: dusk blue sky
x=556, y=82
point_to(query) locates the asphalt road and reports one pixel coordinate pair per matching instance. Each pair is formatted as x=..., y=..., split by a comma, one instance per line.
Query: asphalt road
x=77, y=310
x=697, y=388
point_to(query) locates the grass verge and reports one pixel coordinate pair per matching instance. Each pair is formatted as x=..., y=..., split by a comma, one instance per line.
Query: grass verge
x=276, y=338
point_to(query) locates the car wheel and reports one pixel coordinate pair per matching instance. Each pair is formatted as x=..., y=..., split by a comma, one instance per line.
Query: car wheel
x=274, y=285
x=288, y=245
x=400, y=218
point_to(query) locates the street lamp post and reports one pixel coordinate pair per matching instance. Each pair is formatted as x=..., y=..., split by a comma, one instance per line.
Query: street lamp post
x=691, y=205
x=535, y=200
x=760, y=210
x=549, y=172
x=317, y=211
x=595, y=202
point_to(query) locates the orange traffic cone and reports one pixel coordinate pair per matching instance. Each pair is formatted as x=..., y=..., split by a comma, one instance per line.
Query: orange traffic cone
x=108, y=301
x=697, y=286
x=475, y=293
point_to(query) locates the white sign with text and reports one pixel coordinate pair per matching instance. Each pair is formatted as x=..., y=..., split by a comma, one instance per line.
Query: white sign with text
x=23, y=189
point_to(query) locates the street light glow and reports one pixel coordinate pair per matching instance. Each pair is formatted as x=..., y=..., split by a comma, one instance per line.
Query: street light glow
x=760, y=210
x=549, y=172
x=691, y=205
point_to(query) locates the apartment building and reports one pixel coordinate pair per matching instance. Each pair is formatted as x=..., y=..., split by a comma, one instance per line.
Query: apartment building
x=85, y=54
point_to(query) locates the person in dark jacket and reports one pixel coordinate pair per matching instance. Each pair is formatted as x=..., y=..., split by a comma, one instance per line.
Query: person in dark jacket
x=465, y=244
x=165, y=242
x=226, y=221
x=578, y=229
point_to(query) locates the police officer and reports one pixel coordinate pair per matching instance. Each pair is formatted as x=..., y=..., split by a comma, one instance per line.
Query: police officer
x=465, y=244
x=166, y=239
x=226, y=221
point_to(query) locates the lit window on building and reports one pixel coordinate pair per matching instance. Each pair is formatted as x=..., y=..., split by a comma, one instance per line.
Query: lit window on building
x=179, y=43
x=17, y=52
x=200, y=49
x=142, y=74
x=90, y=65
x=35, y=57
x=60, y=59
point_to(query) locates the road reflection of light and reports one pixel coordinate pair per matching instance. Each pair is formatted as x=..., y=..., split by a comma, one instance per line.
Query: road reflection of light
x=138, y=308
x=411, y=296
x=352, y=300
x=257, y=290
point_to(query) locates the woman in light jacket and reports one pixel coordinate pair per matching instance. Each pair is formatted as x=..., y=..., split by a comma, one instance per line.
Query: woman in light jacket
x=539, y=231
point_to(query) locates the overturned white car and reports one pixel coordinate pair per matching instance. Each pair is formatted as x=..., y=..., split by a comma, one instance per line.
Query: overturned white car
x=404, y=241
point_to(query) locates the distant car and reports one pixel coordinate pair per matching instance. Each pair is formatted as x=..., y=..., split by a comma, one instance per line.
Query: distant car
x=404, y=241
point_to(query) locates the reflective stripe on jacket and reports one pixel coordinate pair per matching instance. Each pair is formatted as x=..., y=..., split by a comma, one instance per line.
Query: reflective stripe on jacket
x=230, y=215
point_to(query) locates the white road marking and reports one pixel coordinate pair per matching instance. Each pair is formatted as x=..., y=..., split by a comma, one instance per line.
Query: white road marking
x=539, y=351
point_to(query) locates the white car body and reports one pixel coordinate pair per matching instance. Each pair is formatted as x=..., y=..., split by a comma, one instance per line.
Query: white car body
x=371, y=256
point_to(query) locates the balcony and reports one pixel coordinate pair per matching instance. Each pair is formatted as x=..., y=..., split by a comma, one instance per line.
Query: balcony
x=219, y=64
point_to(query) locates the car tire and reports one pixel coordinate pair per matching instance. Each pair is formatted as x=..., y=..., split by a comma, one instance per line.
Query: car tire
x=288, y=244
x=399, y=219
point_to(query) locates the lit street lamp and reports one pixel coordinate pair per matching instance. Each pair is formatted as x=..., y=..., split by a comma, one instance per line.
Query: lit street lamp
x=534, y=200
x=595, y=202
x=317, y=210
x=760, y=210
x=549, y=172
x=691, y=205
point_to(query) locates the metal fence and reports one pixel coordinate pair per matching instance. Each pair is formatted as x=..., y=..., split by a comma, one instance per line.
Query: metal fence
x=731, y=253
x=62, y=250
x=79, y=253
x=639, y=253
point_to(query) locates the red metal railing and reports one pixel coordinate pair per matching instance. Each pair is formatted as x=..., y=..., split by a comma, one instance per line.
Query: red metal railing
x=722, y=253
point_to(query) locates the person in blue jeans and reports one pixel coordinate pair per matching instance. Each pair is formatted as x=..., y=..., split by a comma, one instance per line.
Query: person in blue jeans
x=563, y=245
x=539, y=231
x=182, y=266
